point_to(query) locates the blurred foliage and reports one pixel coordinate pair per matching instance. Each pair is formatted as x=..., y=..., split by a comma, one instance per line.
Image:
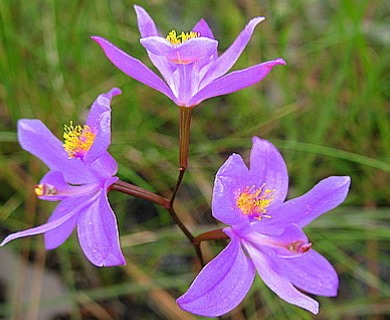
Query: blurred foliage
x=328, y=111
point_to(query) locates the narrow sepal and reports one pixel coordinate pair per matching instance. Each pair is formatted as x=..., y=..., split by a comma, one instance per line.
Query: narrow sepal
x=311, y=273
x=235, y=81
x=133, y=67
x=224, y=63
x=278, y=282
x=57, y=236
x=221, y=285
x=42, y=228
x=146, y=25
x=98, y=234
x=324, y=196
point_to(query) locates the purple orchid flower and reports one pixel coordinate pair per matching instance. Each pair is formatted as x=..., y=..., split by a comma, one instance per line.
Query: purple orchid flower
x=265, y=235
x=188, y=62
x=81, y=172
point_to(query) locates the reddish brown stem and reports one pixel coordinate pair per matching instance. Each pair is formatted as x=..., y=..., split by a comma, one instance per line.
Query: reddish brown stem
x=211, y=235
x=140, y=193
x=184, y=142
x=184, y=135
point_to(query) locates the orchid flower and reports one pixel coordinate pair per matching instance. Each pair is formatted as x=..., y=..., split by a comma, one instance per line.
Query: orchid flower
x=266, y=236
x=81, y=173
x=189, y=63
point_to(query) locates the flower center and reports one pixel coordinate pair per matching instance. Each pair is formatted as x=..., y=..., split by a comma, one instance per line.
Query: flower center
x=45, y=190
x=299, y=246
x=77, y=140
x=174, y=38
x=254, y=201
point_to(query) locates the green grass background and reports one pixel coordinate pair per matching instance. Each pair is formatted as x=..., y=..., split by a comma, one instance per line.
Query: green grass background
x=328, y=111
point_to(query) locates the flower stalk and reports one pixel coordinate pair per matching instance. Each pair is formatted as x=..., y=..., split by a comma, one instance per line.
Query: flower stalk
x=184, y=136
x=141, y=193
x=211, y=235
x=206, y=236
x=184, y=143
x=184, y=146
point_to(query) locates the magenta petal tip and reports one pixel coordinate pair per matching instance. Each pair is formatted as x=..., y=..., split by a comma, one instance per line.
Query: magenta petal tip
x=114, y=92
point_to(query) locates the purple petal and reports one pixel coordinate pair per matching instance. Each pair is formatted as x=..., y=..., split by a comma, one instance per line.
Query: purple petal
x=312, y=273
x=235, y=81
x=112, y=93
x=57, y=236
x=185, y=53
x=157, y=45
x=146, y=25
x=325, y=196
x=230, y=56
x=230, y=178
x=55, y=188
x=98, y=234
x=55, y=181
x=99, y=119
x=221, y=285
x=275, y=278
x=267, y=166
x=105, y=166
x=133, y=67
x=101, y=104
x=43, y=228
x=166, y=69
x=290, y=244
x=35, y=138
x=148, y=28
x=186, y=83
x=203, y=28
